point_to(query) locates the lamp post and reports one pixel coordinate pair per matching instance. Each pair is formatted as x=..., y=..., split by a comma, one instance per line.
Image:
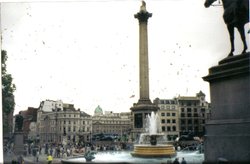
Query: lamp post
x=56, y=119
x=46, y=127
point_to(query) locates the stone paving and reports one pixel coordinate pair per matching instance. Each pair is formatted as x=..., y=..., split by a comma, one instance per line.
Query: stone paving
x=42, y=159
x=9, y=157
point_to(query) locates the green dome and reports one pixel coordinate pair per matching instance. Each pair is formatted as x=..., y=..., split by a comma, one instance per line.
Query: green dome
x=98, y=110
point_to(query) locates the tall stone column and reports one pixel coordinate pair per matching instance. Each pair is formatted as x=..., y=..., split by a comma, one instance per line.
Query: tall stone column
x=142, y=17
x=144, y=106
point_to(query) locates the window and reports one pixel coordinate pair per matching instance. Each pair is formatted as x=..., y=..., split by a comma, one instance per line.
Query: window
x=169, y=128
x=168, y=114
x=83, y=122
x=163, y=121
x=162, y=114
x=174, y=128
x=189, y=110
x=173, y=121
x=182, y=110
x=189, y=115
x=182, y=114
x=168, y=121
x=163, y=128
x=196, y=115
x=189, y=121
x=69, y=122
x=173, y=114
x=195, y=110
x=183, y=121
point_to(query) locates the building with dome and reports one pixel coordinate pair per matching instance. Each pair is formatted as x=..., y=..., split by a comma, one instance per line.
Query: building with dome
x=98, y=111
x=109, y=122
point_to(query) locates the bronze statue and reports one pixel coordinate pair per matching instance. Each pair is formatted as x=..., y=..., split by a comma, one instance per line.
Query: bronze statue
x=19, y=122
x=236, y=14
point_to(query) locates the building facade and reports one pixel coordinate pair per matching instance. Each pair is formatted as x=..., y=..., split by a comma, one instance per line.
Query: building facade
x=183, y=115
x=58, y=122
x=169, y=117
x=111, y=123
x=193, y=113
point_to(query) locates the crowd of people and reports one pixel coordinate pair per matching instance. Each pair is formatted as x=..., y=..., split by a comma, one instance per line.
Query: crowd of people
x=63, y=151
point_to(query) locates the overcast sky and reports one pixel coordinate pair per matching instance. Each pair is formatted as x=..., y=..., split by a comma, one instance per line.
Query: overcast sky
x=87, y=53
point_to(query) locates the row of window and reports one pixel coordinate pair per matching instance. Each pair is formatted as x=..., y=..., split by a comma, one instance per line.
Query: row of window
x=167, y=107
x=192, y=115
x=168, y=128
x=115, y=122
x=163, y=121
x=53, y=122
x=190, y=110
x=168, y=114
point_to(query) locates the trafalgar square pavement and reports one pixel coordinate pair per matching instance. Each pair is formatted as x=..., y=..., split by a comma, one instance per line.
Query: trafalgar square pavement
x=9, y=157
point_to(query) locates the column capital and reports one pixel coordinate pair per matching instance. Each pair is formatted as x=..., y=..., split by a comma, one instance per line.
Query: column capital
x=143, y=16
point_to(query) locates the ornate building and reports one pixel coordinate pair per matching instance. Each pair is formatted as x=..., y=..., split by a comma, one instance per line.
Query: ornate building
x=57, y=120
x=111, y=123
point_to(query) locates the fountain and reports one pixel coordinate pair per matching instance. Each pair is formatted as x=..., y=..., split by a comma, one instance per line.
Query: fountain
x=148, y=146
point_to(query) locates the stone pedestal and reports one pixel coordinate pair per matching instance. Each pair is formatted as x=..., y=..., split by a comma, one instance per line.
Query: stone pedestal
x=228, y=131
x=18, y=143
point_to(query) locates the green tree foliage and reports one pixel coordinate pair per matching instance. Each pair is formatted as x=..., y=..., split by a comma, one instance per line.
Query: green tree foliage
x=8, y=88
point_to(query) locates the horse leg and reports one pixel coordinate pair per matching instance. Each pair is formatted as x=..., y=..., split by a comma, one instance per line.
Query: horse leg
x=242, y=35
x=231, y=33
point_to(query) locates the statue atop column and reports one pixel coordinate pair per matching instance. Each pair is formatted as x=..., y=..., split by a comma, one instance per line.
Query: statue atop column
x=143, y=15
x=143, y=6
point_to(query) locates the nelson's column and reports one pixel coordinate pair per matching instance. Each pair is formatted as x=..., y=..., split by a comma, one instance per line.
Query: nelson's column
x=144, y=106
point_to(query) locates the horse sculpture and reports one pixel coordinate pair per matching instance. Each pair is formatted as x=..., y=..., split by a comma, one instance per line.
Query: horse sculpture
x=236, y=14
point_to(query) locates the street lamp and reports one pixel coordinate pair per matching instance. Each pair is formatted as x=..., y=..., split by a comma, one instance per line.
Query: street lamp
x=46, y=131
x=56, y=119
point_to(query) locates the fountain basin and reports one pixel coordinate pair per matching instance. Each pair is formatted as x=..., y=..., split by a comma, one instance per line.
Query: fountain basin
x=154, y=151
x=126, y=157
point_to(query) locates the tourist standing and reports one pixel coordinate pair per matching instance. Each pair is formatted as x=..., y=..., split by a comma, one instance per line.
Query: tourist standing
x=183, y=161
x=176, y=161
x=37, y=155
x=49, y=159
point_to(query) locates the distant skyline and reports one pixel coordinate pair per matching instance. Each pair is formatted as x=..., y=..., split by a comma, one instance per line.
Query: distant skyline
x=86, y=52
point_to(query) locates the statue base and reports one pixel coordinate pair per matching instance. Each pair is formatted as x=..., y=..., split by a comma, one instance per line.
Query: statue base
x=139, y=112
x=227, y=132
x=18, y=143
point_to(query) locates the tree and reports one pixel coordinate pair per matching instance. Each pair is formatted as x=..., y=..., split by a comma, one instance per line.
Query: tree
x=8, y=88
